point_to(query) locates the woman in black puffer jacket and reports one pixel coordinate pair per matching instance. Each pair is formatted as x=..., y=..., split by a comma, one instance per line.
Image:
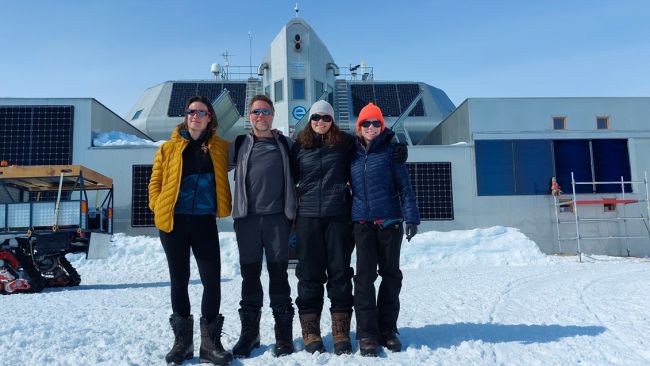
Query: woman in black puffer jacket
x=321, y=169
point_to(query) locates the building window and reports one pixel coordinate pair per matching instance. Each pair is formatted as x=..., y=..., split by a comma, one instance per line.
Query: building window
x=267, y=91
x=609, y=207
x=513, y=167
x=298, y=88
x=524, y=167
x=136, y=114
x=602, y=123
x=318, y=89
x=330, y=95
x=597, y=160
x=559, y=123
x=277, y=91
x=566, y=205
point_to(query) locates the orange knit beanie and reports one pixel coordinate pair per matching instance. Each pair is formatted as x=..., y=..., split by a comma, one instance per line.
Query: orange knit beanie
x=371, y=112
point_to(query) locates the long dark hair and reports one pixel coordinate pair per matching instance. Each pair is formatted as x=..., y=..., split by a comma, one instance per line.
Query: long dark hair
x=307, y=137
x=212, y=125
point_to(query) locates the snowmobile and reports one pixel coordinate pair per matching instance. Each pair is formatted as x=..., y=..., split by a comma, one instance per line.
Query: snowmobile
x=44, y=215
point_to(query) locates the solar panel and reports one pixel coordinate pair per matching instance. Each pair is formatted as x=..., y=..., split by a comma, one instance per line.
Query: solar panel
x=182, y=92
x=238, y=94
x=386, y=99
x=392, y=99
x=362, y=94
x=209, y=90
x=141, y=216
x=36, y=135
x=406, y=94
x=433, y=190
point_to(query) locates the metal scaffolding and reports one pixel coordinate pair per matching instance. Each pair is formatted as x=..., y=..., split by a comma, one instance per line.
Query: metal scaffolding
x=573, y=203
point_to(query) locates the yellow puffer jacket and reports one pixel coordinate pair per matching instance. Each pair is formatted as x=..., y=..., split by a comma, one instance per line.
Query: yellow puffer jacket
x=166, y=175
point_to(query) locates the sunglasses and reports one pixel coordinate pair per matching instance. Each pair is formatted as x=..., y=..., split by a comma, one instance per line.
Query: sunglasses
x=264, y=111
x=366, y=124
x=318, y=117
x=191, y=112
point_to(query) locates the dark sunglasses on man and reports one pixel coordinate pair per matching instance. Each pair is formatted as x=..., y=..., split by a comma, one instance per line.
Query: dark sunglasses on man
x=318, y=117
x=259, y=111
x=191, y=112
x=366, y=124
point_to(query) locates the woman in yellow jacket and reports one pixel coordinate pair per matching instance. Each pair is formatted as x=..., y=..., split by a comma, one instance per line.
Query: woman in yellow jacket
x=188, y=188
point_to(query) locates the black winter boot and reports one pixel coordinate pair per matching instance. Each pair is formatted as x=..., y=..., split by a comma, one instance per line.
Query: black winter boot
x=368, y=347
x=250, y=333
x=211, y=348
x=283, y=333
x=391, y=341
x=183, y=348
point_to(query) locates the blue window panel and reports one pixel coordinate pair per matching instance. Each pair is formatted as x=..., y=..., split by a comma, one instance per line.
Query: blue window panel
x=533, y=161
x=611, y=162
x=298, y=88
x=573, y=156
x=494, y=168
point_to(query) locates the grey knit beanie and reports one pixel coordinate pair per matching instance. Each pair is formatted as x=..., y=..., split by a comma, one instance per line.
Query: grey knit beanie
x=321, y=107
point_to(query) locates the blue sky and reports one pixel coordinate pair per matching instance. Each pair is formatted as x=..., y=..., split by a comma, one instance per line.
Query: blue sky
x=114, y=50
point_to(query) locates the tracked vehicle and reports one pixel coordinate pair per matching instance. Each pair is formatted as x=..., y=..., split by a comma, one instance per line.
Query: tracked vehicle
x=47, y=212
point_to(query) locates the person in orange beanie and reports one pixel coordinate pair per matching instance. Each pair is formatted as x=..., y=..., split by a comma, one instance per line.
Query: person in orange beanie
x=382, y=201
x=371, y=112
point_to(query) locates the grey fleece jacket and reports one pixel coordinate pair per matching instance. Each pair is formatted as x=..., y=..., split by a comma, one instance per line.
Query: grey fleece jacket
x=240, y=164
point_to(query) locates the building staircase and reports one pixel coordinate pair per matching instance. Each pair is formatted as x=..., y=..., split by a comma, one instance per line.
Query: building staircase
x=342, y=104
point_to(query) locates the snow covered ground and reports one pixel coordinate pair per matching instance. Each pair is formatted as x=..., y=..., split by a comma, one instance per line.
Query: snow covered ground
x=476, y=297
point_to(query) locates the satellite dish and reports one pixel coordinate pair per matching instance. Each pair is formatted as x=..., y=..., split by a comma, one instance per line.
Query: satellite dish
x=215, y=69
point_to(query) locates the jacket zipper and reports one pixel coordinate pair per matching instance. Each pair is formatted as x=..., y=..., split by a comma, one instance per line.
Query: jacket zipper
x=320, y=181
x=196, y=189
x=365, y=183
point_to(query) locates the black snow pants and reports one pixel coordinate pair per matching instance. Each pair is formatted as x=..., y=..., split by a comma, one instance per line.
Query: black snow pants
x=257, y=235
x=325, y=246
x=377, y=248
x=198, y=232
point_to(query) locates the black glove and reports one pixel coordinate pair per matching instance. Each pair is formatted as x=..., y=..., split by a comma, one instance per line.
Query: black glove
x=400, y=153
x=411, y=230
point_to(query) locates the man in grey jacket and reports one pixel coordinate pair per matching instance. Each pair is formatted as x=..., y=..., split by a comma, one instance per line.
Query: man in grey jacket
x=264, y=205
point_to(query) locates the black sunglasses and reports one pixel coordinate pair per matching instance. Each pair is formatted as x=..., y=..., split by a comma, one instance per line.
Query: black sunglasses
x=366, y=124
x=318, y=117
x=260, y=111
x=190, y=112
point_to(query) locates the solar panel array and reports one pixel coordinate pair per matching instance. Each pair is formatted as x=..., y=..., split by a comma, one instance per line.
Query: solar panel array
x=393, y=99
x=36, y=135
x=433, y=190
x=141, y=215
x=182, y=92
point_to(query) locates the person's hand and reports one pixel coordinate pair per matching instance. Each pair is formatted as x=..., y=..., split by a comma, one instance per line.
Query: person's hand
x=400, y=153
x=411, y=230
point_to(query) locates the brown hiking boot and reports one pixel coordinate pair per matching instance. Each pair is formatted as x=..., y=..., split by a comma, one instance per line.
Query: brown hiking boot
x=310, y=324
x=341, y=333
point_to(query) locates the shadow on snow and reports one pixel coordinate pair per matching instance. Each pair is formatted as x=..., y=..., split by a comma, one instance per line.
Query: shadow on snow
x=123, y=286
x=448, y=335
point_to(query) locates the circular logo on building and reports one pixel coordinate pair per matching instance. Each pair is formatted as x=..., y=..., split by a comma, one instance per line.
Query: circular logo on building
x=298, y=112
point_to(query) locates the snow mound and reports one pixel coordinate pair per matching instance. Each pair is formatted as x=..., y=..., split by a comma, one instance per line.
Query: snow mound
x=117, y=138
x=145, y=260
x=496, y=245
